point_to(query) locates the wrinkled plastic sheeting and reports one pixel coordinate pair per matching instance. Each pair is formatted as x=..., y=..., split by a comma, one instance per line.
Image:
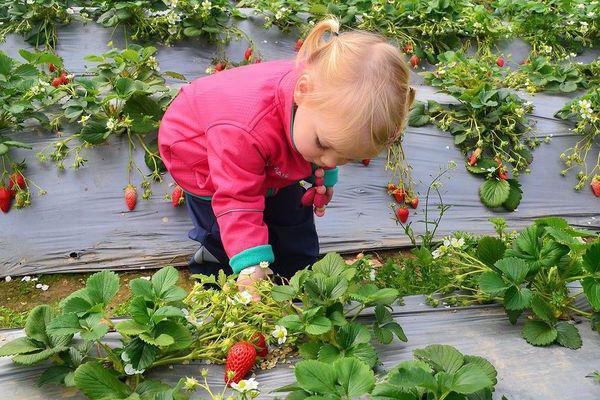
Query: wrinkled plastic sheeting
x=80, y=225
x=525, y=372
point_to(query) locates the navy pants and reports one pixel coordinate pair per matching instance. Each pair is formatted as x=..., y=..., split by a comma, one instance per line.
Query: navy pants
x=292, y=233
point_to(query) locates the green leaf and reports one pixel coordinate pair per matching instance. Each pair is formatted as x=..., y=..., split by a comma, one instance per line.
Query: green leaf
x=385, y=391
x=102, y=287
x=174, y=293
x=99, y=383
x=514, y=195
x=352, y=334
x=141, y=354
x=34, y=358
x=484, y=365
x=37, y=320
x=440, y=357
x=514, y=269
x=513, y=315
x=332, y=265
x=355, y=377
x=490, y=249
x=6, y=64
x=142, y=287
x=591, y=289
x=315, y=376
x=418, y=115
x=542, y=309
x=166, y=312
x=328, y=353
x=66, y=324
x=164, y=279
x=492, y=283
x=130, y=327
x=310, y=350
x=291, y=322
x=180, y=334
x=95, y=130
x=365, y=352
x=470, y=378
x=539, y=333
x=494, y=192
x=55, y=374
x=516, y=298
x=76, y=303
x=21, y=345
x=95, y=333
x=175, y=75
x=139, y=310
x=568, y=335
x=384, y=335
x=125, y=87
x=318, y=326
x=283, y=293
x=411, y=375
x=161, y=340
x=591, y=258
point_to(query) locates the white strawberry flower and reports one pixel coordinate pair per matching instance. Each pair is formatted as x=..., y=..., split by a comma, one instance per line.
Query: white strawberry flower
x=70, y=11
x=229, y=324
x=38, y=286
x=45, y=287
x=372, y=274
x=581, y=6
x=243, y=297
x=129, y=370
x=125, y=357
x=26, y=278
x=8, y=278
x=245, y=385
x=206, y=4
x=457, y=243
x=111, y=124
x=280, y=333
x=264, y=264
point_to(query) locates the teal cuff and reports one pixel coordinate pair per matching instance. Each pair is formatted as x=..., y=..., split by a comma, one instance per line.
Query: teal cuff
x=251, y=256
x=331, y=176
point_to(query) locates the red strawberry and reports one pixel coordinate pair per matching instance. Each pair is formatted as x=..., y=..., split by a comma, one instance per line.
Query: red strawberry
x=415, y=60
x=595, y=184
x=257, y=61
x=500, y=62
x=299, y=44
x=130, y=197
x=414, y=203
x=56, y=82
x=399, y=195
x=502, y=174
x=474, y=156
x=258, y=340
x=408, y=48
x=63, y=78
x=319, y=212
x=248, y=53
x=219, y=67
x=5, y=199
x=321, y=200
x=366, y=162
x=51, y=67
x=309, y=197
x=240, y=360
x=390, y=188
x=16, y=182
x=402, y=214
x=177, y=197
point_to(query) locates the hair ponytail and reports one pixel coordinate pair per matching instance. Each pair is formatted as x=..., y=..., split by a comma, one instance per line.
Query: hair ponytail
x=314, y=42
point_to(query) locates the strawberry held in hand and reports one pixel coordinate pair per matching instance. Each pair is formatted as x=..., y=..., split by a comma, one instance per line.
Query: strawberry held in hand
x=130, y=197
x=177, y=197
x=240, y=360
x=248, y=53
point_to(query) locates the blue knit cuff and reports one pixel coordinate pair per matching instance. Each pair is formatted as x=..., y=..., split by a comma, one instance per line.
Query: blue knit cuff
x=251, y=256
x=331, y=176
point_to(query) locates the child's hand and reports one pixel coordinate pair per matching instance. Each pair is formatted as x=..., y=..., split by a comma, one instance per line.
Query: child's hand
x=329, y=193
x=249, y=276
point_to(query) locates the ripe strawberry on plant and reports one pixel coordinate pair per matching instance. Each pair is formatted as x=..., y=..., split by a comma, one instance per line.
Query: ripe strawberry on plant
x=414, y=202
x=595, y=185
x=399, y=194
x=414, y=61
x=390, y=188
x=219, y=67
x=259, y=341
x=299, y=44
x=5, y=198
x=51, y=67
x=16, y=182
x=130, y=197
x=408, y=48
x=177, y=197
x=240, y=360
x=56, y=82
x=500, y=62
x=402, y=214
x=248, y=54
x=366, y=162
x=474, y=156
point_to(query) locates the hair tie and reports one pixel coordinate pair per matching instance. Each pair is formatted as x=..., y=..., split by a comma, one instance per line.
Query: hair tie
x=336, y=33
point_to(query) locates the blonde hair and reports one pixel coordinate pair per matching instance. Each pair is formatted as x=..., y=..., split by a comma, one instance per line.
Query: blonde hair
x=363, y=77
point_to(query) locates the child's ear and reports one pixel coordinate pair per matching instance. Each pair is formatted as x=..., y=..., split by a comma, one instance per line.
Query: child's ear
x=301, y=89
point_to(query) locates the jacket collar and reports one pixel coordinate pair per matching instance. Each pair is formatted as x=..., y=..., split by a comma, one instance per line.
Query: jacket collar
x=285, y=103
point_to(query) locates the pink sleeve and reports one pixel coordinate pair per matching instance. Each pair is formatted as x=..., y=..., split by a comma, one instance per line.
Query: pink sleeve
x=237, y=170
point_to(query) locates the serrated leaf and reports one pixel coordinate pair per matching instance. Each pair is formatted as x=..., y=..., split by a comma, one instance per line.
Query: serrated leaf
x=411, y=375
x=492, y=283
x=55, y=374
x=103, y=286
x=385, y=391
x=591, y=289
x=418, y=115
x=34, y=358
x=568, y=335
x=37, y=320
x=440, y=357
x=352, y=334
x=20, y=345
x=328, y=353
x=66, y=324
x=130, y=327
x=291, y=322
x=95, y=333
x=99, y=383
x=315, y=376
x=164, y=279
x=310, y=350
x=490, y=249
x=355, y=377
x=516, y=298
x=318, y=326
x=539, y=333
x=591, y=258
x=542, y=309
x=515, y=195
x=365, y=352
x=283, y=293
x=139, y=311
x=470, y=378
x=166, y=312
x=493, y=192
x=514, y=269
x=485, y=366
x=513, y=315
x=142, y=287
x=141, y=354
x=161, y=340
x=331, y=265
x=181, y=335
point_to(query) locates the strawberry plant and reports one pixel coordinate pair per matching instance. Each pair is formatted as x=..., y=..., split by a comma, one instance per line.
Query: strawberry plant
x=284, y=14
x=169, y=21
x=437, y=372
x=490, y=127
x=531, y=274
x=585, y=112
x=331, y=331
x=36, y=20
x=540, y=74
x=552, y=27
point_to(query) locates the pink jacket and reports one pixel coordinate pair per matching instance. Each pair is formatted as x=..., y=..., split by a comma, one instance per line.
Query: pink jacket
x=229, y=137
